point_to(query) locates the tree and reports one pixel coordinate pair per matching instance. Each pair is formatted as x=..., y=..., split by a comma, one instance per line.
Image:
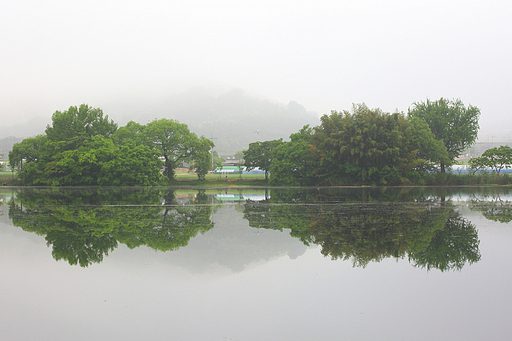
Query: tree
x=239, y=154
x=260, y=155
x=203, y=160
x=82, y=147
x=498, y=158
x=133, y=165
x=217, y=160
x=292, y=163
x=478, y=163
x=132, y=132
x=29, y=157
x=78, y=124
x=175, y=143
x=450, y=122
x=368, y=146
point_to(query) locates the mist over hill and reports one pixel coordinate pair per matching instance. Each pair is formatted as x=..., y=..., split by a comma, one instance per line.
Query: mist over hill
x=232, y=119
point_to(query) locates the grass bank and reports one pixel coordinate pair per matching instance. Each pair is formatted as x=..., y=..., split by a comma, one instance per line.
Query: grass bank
x=5, y=177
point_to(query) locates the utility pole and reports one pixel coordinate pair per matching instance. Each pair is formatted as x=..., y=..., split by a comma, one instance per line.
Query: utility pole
x=211, y=150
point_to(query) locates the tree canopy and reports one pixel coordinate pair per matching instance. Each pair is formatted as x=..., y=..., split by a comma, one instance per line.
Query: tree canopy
x=496, y=159
x=450, y=122
x=175, y=143
x=83, y=147
x=369, y=146
x=260, y=155
x=293, y=164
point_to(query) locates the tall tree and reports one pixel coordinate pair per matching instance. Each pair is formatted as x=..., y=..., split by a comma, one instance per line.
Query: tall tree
x=368, y=146
x=498, y=158
x=203, y=160
x=293, y=163
x=260, y=155
x=175, y=143
x=450, y=122
x=81, y=147
x=78, y=124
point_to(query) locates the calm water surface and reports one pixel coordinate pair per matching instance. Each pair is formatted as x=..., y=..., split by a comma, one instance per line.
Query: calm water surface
x=256, y=264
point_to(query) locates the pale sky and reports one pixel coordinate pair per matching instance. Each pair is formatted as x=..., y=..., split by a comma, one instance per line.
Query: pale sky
x=323, y=54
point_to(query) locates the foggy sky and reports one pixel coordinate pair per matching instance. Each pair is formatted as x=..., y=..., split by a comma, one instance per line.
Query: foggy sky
x=323, y=54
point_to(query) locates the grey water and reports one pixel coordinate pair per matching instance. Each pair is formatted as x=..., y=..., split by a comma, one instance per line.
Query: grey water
x=256, y=264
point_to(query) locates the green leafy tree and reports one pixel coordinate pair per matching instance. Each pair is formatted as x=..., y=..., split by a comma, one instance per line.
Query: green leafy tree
x=498, y=158
x=82, y=147
x=478, y=163
x=260, y=155
x=203, y=160
x=292, y=164
x=450, y=122
x=29, y=158
x=131, y=133
x=217, y=160
x=175, y=143
x=133, y=165
x=78, y=124
x=368, y=146
x=239, y=154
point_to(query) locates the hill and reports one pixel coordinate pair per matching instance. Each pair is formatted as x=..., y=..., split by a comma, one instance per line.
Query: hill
x=233, y=119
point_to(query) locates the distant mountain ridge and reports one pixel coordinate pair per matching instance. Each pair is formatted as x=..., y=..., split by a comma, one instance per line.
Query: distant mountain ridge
x=232, y=119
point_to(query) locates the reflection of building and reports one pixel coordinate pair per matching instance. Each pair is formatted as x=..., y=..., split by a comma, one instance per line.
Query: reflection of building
x=237, y=197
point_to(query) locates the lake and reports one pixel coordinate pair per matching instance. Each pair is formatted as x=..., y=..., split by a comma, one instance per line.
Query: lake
x=256, y=264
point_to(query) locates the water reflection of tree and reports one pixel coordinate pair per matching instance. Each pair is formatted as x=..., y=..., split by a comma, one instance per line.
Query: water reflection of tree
x=492, y=207
x=85, y=225
x=366, y=229
x=451, y=247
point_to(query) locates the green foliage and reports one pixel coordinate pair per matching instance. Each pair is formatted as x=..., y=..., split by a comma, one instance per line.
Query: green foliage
x=79, y=124
x=82, y=147
x=368, y=146
x=203, y=159
x=478, y=163
x=260, y=155
x=498, y=158
x=451, y=123
x=239, y=154
x=175, y=143
x=292, y=163
x=217, y=160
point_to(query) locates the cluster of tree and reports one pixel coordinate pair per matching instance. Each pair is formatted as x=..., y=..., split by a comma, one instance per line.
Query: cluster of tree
x=427, y=230
x=84, y=147
x=496, y=159
x=369, y=146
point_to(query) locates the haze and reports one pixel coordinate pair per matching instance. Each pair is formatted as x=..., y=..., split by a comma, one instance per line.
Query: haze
x=325, y=55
